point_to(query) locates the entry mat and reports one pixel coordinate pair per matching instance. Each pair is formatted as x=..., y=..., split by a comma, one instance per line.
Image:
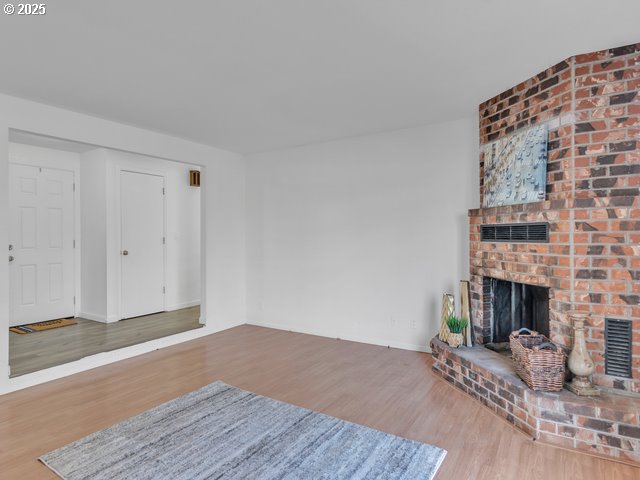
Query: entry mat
x=40, y=326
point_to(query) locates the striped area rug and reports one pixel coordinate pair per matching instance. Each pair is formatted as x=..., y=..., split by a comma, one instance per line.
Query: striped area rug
x=221, y=431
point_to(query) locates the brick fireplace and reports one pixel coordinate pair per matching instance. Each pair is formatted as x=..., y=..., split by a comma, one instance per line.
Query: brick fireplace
x=591, y=262
x=588, y=261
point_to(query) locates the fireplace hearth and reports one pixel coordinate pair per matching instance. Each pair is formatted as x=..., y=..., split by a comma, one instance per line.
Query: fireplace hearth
x=604, y=425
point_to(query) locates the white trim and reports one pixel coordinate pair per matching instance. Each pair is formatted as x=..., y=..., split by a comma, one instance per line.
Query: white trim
x=98, y=318
x=93, y=316
x=203, y=250
x=180, y=306
x=350, y=338
x=118, y=228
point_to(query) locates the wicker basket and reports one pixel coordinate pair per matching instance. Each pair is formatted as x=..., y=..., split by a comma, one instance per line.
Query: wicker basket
x=540, y=363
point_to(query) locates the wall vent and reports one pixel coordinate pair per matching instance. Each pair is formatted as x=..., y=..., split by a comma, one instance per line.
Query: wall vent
x=617, y=346
x=515, y=232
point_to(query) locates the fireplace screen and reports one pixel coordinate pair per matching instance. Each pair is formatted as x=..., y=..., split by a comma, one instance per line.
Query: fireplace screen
x=511, y=306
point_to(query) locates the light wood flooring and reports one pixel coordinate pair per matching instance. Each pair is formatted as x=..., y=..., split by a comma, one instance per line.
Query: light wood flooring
x=39, y=350
x=387, y=389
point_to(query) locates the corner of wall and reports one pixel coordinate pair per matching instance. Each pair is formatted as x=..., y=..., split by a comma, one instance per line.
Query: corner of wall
x=4, y=267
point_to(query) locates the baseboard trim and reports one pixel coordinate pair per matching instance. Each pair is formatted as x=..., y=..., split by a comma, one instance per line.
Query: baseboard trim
x=351, y=338
x=180, y=306
x=93, y=316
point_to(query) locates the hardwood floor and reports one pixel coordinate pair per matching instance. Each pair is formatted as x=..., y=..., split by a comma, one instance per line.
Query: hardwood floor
x=39, y=350
x=388, y=389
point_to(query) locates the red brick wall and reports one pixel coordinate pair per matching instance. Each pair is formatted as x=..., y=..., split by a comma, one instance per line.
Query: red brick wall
x=538, y=100
x=591, y=104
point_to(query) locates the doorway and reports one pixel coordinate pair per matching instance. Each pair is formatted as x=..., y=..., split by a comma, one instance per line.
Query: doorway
x=41, y=244
x=99, y=235
x=143, y=240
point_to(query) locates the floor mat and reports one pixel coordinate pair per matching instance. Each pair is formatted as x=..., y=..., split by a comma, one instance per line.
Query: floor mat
x=38, y=327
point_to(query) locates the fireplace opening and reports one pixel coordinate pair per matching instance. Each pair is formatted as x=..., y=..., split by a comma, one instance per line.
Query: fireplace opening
x=511, y=306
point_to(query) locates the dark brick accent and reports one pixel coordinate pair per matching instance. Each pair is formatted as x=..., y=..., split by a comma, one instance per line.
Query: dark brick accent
x=595, y=274
x=626, y=50
x=584, y=127
x=609, y=440
x=625, y=169
x=549, y=83
x=623, y=146
x=622, y=98
x=604, y=182
x=629, y=431
x=606, y=159
x=595, y=424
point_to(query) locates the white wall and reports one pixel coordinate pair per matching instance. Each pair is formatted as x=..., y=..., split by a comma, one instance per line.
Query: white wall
x=356, y=239
x=93, y=238
x=43, y=157
x=359, y=238
x=101, y=246
x=223, y=217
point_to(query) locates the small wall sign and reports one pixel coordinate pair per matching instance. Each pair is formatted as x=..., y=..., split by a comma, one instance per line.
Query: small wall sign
x=194, y=178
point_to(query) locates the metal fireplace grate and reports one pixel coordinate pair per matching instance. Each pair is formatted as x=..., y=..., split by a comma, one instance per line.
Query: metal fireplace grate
x=617, y=345
x=515, y=232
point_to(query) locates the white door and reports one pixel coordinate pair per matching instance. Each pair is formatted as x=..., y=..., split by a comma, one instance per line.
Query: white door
x=41, y=244
x=142, y=243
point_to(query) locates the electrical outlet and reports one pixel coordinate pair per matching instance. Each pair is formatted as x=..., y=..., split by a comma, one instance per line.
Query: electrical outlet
x=414, y=324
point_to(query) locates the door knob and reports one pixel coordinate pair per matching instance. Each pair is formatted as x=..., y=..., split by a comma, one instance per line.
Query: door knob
x=125, y=252
x=11, y=259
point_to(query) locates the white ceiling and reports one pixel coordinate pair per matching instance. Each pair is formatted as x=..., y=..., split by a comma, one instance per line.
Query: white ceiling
x=256, y=75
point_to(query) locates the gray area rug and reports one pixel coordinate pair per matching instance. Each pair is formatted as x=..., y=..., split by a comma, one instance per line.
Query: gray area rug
x=221, y=431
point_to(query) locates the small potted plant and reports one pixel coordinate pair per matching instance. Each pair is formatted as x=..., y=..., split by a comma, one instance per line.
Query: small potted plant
x=456, y=327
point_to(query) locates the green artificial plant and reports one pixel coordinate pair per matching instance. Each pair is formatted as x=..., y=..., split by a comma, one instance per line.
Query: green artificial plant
x=457, y=324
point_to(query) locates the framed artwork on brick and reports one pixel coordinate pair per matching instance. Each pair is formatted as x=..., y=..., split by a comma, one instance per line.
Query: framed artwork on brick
x=515, y=168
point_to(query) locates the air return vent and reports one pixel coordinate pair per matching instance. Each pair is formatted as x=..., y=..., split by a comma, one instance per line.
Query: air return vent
x=617, y=345
x=515, y=232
